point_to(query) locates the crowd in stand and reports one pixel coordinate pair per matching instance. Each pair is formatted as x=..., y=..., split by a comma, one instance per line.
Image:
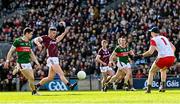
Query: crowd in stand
x=90, y=24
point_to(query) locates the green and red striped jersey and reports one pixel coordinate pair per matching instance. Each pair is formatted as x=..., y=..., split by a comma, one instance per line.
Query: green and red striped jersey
x=23, y=50
x=122, y=54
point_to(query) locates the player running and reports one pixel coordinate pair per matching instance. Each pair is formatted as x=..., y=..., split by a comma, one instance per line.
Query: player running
x=164, y=60
x=121, y=53
x=50, y=42
x=103, y=58
x=23, y=48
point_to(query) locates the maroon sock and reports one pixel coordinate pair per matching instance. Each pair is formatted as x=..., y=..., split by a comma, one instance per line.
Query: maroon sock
x=38, y=85
x=68, y=84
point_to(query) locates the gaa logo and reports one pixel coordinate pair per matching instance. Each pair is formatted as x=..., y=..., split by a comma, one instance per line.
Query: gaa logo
x=57, y=86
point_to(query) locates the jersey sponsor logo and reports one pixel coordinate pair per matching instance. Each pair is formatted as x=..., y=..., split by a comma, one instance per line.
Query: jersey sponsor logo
x=52, y=42
x=105, y=55
x=22, y=44
x=57, y=86
x=23, y=49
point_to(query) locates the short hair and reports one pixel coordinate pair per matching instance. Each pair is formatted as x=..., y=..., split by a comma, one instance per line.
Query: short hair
x=104, y=40
x=27, y=30
x=52, y=29
x=123, y=36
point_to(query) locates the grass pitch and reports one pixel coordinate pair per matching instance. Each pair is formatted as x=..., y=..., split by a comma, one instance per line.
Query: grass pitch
x=92, y=97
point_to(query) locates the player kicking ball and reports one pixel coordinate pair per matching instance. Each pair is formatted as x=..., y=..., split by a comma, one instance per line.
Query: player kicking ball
x=50, y=42
x=164, y=60
x=22, y=46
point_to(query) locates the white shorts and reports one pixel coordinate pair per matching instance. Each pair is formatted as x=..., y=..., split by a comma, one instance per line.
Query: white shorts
x=52, y=60
x=122, y=65
x=105, y=68
x=24, y=66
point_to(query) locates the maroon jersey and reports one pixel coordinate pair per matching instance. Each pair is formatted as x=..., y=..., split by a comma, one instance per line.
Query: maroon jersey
x=51, y=45
x=105, y=54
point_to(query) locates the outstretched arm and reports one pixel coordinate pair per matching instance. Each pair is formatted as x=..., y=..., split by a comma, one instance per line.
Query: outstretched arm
x=149, y=52
x=131, y=52
x=60, y=37
x=38, y=41
x=12, y=49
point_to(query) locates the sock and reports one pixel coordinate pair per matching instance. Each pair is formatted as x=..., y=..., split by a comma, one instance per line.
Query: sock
x=68, y=84
x=125, y=85
x=163, y=84
x=148, y=87
x=38, y=85
x=34, y=91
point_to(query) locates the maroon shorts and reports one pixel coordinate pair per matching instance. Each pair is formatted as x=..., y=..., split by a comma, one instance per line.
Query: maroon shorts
x=165, y=61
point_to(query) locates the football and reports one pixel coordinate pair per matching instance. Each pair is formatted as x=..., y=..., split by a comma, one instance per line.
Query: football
x=81, y=75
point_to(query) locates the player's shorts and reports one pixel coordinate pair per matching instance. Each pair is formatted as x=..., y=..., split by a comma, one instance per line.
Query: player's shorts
x=105, y=68
x=52, y=60
x=165, y=62
x=26, y=66
x=122, y=65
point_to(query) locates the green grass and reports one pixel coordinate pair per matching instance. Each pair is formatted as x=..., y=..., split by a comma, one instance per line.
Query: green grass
x=92, y=97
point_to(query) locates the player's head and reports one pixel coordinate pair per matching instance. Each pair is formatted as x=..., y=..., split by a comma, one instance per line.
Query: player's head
x=28, y=32
x=122, y=40
x=52, y=32
x=154, y=31
x=104, y=43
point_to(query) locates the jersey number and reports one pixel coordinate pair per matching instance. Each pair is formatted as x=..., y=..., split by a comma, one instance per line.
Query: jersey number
x=164, y=41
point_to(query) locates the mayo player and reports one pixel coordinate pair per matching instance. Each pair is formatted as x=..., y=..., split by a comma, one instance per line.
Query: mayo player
x=121, y=53
x=23, y=47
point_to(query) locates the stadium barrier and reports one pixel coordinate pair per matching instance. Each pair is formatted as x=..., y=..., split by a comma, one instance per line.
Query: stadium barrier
x=94, y=84
x=170, y=83
x=58, y=85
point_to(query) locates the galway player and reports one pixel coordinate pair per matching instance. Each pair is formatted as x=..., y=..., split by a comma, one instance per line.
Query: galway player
x=50, y=41
x=164, y=60
x=22, y=46
x=103, y=58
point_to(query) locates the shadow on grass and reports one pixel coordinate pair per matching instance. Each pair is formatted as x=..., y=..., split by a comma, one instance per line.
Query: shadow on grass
x=60, y=94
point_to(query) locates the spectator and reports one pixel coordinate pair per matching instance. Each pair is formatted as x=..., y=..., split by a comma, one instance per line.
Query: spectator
x=139, y=74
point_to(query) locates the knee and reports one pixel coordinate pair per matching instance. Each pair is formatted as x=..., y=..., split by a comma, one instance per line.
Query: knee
x=116, y=76
x=152, y=71
x=130, y=76
x=104, y=79
x=50, y=78
x=31, y=80
x=128, y=73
